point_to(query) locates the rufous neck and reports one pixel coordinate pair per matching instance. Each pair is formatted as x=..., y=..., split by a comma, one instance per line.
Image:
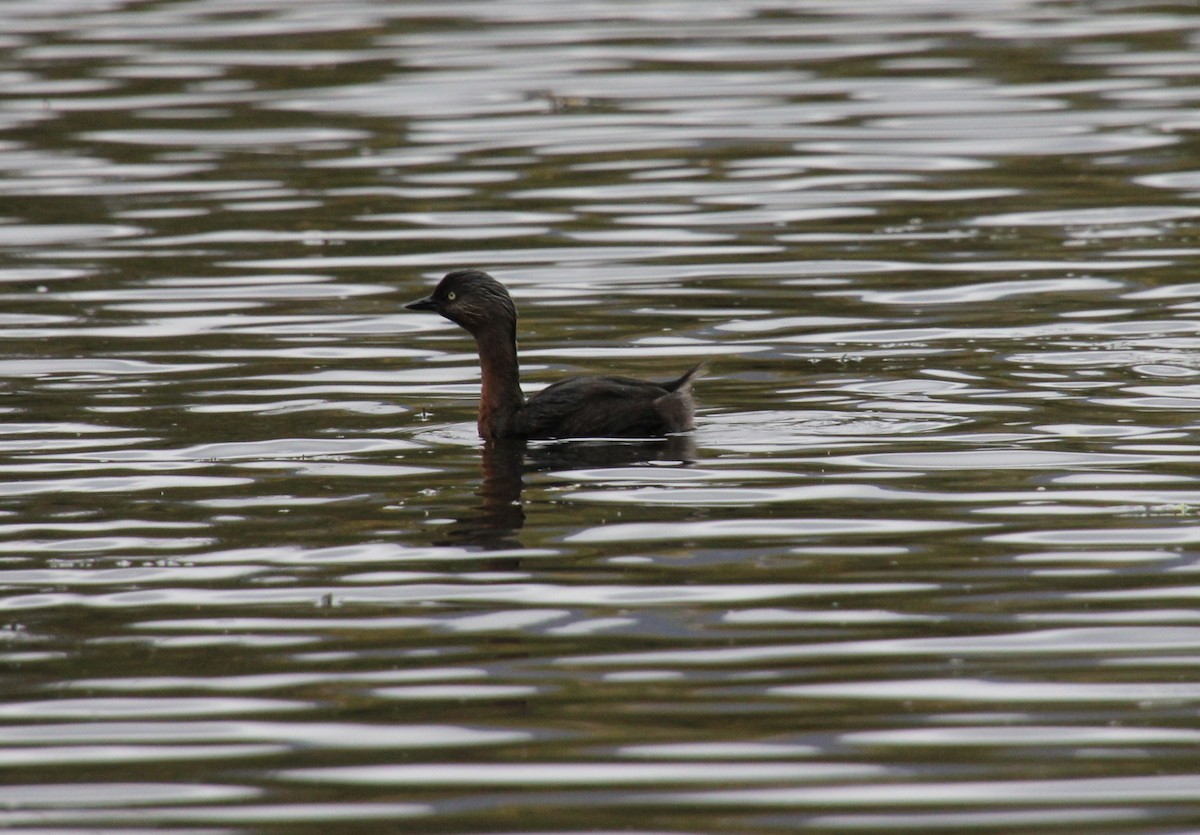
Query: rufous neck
x=500, y=398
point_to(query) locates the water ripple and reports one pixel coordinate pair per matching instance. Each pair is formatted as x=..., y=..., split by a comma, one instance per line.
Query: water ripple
x=928, y=560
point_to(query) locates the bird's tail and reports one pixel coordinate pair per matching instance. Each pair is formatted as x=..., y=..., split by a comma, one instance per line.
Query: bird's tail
x=677, y=407
x=685, y=381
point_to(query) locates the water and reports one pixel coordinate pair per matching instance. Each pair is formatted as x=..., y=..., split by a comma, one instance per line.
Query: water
x=927, y=563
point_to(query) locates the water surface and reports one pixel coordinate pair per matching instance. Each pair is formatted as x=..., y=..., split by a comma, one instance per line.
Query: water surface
x=927, y=562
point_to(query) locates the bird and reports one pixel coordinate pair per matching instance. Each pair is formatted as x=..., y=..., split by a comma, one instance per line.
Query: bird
x=577, y=407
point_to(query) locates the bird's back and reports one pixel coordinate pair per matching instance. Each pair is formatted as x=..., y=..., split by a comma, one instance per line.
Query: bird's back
x=609, y=407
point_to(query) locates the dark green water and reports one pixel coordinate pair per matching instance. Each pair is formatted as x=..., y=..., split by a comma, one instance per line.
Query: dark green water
x=929, y=561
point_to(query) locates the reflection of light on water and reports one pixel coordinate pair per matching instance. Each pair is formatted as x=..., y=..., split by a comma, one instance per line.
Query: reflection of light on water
x=779, y=430
x=940, y=257
x=464, y=434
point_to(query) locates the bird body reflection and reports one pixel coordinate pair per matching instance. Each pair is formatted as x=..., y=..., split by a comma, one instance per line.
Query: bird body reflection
x=495, y=523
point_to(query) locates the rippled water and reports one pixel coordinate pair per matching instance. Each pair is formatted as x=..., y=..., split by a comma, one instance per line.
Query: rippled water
x=929, y=561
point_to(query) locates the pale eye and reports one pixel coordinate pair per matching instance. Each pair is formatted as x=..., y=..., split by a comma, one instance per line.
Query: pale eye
x=451, y=295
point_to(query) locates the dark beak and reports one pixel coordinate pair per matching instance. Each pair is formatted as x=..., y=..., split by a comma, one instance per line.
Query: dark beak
x=426, y=303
